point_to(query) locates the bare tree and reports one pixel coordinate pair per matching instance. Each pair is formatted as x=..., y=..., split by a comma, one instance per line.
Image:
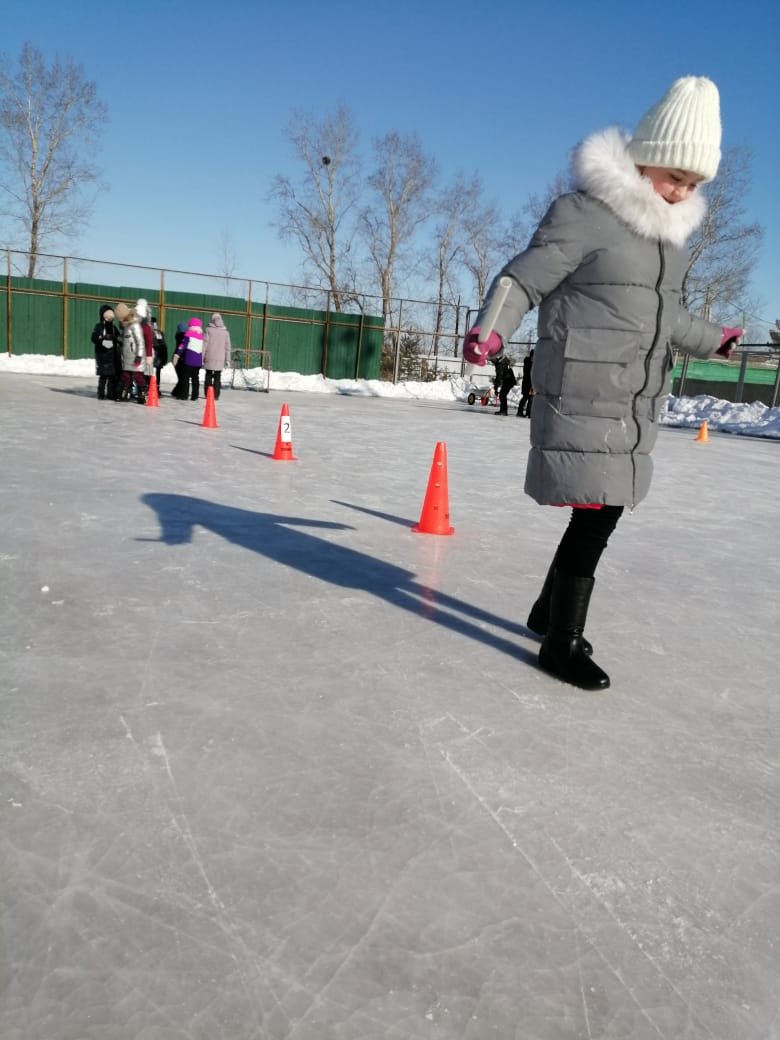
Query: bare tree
x=228, y=259
x=724, y=250
x=402, y=181
x=455, y=206
x=50, y=117
x=320, y=211
x=486, y=247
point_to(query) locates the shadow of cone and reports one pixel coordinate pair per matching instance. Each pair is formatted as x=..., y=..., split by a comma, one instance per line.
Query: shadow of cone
x=210, y=411
x=703, y=435
x=283, y=449
x=435, y=516
x=152, y=394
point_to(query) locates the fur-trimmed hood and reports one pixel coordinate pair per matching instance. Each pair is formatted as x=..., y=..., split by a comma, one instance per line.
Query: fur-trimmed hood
x=602, y=167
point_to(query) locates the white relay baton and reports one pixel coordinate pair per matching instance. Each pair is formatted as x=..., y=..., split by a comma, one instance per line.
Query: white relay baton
x=493, y=311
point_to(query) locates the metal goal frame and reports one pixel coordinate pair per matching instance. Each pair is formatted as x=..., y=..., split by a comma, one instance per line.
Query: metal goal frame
x=250, y=370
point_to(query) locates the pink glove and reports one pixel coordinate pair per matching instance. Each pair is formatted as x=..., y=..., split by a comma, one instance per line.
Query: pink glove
x=728, y=341
x=477, y=353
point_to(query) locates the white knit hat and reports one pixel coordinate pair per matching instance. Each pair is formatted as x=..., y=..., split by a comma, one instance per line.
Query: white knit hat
x=142, y=308
x=681, y=132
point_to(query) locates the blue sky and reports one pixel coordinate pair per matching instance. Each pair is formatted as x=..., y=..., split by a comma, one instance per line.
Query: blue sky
x=199, y=95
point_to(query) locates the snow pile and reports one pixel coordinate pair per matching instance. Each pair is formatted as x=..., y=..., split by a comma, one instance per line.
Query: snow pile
x=753, y=420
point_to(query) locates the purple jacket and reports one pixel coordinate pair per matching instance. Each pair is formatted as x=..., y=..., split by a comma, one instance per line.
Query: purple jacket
x=190, y=350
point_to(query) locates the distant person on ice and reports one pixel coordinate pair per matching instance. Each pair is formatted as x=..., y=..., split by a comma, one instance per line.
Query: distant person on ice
x=143, y=314
x=526, y=387
x=180, y=390
x=105, y=339
x=160, y=351
x=605, y=267
x=133, y=354
x=190, y=354
x=216, y=353
x=504, y=382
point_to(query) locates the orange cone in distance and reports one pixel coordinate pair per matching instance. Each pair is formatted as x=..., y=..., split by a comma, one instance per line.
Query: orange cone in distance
x=210, y=411
x=703, y=435
x=283, y=449
x=152, y=395
x=435, y=516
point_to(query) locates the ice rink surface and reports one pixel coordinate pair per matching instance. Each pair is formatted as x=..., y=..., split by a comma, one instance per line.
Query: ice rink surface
x=274, y=766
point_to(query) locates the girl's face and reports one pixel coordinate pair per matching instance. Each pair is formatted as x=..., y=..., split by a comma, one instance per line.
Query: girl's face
x=672, y=185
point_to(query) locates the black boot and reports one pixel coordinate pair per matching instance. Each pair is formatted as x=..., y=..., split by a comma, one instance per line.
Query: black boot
x=539, y=618
x=562, y=653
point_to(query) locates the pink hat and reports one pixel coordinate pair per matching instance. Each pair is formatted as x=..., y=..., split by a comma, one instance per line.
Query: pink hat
x=194, y=321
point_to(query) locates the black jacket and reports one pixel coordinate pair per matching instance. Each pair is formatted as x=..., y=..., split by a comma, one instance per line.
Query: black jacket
x=105, y=339
x=505, y=377
x=526, y=386
x=160, y=347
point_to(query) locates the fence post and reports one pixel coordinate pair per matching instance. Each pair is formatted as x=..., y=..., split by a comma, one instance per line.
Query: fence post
x=265, y=319
x=8, y=302
x=683, y=373
x=397, y=360
x=776, y=389
x=325, y=336
x=741, y=378
x=360, y=338
x=65, y=307
x=248, y=329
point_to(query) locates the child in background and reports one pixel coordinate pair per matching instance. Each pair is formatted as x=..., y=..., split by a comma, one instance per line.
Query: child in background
x=105, y=339
x=504, y=383
x=190, y=354
x=160, y=351
x=216, y=353
x=132, y=354
x=605, y=267
x=526, y=388
x=143, y=314
x=180, y=390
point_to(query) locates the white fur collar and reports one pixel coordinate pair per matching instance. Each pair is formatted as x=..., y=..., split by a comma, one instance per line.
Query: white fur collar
x=602, y=167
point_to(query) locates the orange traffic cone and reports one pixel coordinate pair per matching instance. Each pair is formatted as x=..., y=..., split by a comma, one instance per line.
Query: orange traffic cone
x=703, y=435
x=283, y=449
x=435, y=516
x=152, y=395
x=210, y=411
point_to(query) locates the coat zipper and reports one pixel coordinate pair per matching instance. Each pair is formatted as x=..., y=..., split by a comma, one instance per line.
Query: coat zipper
x=658, y=321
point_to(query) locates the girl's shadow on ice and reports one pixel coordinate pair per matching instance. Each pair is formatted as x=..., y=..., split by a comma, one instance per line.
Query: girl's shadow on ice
x=283, y=539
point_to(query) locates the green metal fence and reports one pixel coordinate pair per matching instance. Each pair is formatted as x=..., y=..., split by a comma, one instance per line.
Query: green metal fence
x=56, y=317
x=752, y=374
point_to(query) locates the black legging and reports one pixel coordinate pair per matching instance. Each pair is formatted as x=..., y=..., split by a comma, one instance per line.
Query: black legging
x=585, y=539
x=214, y=378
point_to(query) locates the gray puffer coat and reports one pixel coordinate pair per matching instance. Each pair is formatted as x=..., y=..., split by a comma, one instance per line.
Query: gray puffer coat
x=605, y=268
